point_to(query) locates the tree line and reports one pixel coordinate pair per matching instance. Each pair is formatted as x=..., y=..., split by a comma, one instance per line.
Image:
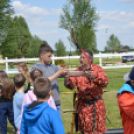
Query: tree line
x=16, y=41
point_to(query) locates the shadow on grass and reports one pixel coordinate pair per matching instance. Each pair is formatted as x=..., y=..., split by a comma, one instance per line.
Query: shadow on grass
x=10, y=130
x=73, y=133
x=67, y=133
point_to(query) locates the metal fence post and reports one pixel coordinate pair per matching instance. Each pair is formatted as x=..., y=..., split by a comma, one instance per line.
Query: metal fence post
x=100, y=59
x=53, y=61
x=6, y=64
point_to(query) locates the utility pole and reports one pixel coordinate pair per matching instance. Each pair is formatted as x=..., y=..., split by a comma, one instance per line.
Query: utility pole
x=106, y=38
x=106, y=34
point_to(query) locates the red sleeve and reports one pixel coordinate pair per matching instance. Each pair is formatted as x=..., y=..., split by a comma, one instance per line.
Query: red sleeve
x=126, y=103
x=101, y=78
x=72, y=84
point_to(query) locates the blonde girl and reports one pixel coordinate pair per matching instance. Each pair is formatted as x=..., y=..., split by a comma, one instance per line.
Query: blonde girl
x=22, y=68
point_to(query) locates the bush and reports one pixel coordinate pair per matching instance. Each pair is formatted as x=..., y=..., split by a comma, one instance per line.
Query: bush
x=2, y=63
x=11, y=64
x=58, y=62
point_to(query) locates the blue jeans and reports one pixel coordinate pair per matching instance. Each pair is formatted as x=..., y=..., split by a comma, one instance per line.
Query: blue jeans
x=59, y=110
x=6, y=110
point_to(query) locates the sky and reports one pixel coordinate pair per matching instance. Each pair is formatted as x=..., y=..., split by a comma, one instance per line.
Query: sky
x=43, y=17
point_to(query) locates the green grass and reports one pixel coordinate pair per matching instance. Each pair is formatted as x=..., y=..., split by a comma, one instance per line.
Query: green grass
x=114, y=59
x=115, y=83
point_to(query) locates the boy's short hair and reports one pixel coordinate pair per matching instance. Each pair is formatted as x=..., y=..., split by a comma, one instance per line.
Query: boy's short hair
x=42, y=87
x=44, y=48
x=34, y=74
x=19, y=80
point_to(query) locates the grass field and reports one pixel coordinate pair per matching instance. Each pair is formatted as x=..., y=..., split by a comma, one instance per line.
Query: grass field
x=115, y=83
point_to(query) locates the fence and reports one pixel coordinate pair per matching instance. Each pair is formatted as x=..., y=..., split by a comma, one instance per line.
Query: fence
x=100, y=56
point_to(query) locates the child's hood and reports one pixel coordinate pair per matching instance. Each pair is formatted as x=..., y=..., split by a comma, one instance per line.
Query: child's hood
x=34, y=110
x=126, y=87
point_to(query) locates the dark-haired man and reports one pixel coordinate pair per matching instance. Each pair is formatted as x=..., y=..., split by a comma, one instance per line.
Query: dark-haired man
x=91, y=108
x=45, y=54
x=39, y=117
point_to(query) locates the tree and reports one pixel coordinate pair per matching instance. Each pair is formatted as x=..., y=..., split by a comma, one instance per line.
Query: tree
x=45, y=42
x=125, y=47
x=113, y=44
x=106, y=49
x=17, y=40
x=34, y=46
x=60, y=48
x=82, y=16
x=6, y=11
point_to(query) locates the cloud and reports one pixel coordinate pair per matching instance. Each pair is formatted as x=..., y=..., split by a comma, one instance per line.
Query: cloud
x=126, y=1
x=115, y=20
x=27, y=11
x=45, y=33
x=104, y=27
x=54, y=11
x=33, y=13
x=44, y=23
x=130, y=25
x=120, y=23
x=117, y=15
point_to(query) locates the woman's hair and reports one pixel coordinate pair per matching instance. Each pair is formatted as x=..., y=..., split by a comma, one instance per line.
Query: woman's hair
x=7, y=85
x=35, y=74
x=25, y=72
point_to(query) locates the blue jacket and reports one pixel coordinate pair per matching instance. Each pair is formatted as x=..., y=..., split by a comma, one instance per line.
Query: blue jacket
x=126, y=87
x=41, y=119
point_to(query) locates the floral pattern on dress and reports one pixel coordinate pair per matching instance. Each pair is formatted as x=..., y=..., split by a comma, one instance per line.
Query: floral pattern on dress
x=88, y=90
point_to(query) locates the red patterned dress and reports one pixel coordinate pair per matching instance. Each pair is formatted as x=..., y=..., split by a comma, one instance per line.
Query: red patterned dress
x=88, y=91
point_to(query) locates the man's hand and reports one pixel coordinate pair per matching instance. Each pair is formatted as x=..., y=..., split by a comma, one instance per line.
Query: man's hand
x=62, y=71
x=89, y=74
x=67, y=78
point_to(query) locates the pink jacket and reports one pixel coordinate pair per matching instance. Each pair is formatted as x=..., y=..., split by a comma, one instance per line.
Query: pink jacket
x=29, y=98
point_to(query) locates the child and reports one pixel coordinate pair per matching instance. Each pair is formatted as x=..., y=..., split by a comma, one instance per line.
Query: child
x=6, y=102
x=22, y=68
x=19, y=82
x=125, y=98
x=45, y=54
x=39, y=117
x=30, y=96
